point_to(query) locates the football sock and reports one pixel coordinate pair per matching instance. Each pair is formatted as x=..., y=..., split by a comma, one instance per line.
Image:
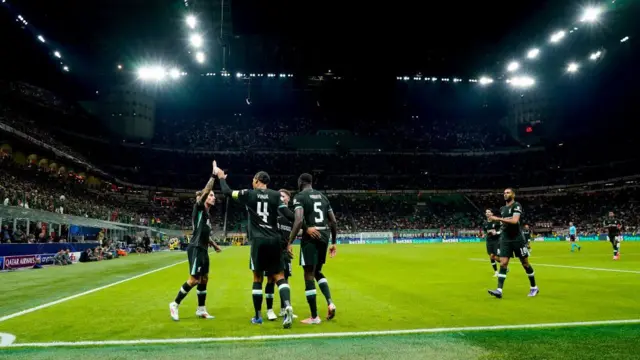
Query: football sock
x=285, y=293
x=268, y=294
x=184, y=290
x=310, y=292
x=257, y=298
x=201, y=291
x=324, y=287
x=502, y=276
x=494, y=265
x=530, y=274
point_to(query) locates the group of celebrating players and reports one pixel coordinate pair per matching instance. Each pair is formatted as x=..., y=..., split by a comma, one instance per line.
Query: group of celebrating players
x=505, y=238
x=272, y=229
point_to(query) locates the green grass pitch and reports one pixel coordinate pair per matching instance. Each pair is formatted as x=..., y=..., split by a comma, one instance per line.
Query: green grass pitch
x=375, y=287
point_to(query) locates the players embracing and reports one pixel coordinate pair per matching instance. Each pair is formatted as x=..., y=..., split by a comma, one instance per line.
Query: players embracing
x=313, y=209
x=512, y=243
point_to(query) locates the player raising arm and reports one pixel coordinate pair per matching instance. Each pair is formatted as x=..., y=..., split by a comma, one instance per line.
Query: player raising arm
x=512, y=242
x=263, y=206
x=197, y=252
x=313, y=208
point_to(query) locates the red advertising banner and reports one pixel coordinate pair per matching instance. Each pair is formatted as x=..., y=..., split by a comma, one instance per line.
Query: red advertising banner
x=19, y=261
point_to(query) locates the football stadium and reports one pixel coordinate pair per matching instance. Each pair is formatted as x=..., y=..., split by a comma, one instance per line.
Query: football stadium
x=236, y=179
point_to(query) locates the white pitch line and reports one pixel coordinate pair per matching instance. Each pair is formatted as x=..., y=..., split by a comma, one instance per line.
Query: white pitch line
x=39, y=307
x=578, y=267
x=324, y=335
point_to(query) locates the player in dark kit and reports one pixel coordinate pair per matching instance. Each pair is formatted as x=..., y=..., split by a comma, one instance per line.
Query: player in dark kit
x=285, y=222
x=313, y=208
x=613, y=231
x=263, y=206
x=526, y=232
x=492, y=237
x=512, y=243
x=197, y=252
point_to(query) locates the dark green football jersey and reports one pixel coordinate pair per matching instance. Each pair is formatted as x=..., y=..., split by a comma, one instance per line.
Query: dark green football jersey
x=491, y=225
x=262, y=208
x=511, y=231
x=612, y=226
x=201, y=226
x=316, y=209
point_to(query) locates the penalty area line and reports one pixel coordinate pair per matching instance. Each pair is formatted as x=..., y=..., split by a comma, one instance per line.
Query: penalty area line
x=59, y=301
x=577, y=267
x=324, y=335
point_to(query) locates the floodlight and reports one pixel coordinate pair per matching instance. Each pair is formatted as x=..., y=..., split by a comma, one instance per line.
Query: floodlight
x=41, y=38
x=513, y=66
x=196, y=40
x=57, y=54
x=200, y=57
x=557, y=36
x=572, y=67
x=591, y=14
x=533, y=53
x=191, y=21
x=174, y=73
x=624, y=39
x=596, y=55
x=522, y=81
x=485, y=80
x=65, y=68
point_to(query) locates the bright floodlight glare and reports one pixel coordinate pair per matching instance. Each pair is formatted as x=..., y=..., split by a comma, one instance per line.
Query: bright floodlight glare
x=65, y=68
x=485, y=80
x=196, y=40
x=591, y=14
x=624, y=39
x=533, y=53
x=41, y=38
x=596, y=55
x=200, y=57
x=558, y=36
x=573, y=67
x=174, y=73
x=522, y=81
x=191, y=21
x=119, y=67
x=513, y=66
x=57, y=54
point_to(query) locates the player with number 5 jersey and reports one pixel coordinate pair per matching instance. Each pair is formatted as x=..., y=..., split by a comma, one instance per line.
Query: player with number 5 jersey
x=263, y=206
x=313, y=209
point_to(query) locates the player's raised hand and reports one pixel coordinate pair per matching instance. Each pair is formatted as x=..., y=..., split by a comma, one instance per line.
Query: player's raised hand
x=333, y=250
x=215, y=168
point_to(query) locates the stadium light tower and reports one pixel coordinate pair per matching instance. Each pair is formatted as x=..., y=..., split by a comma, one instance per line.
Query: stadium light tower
x=191, y=21
x=200, y=57
x=196, y=40
x=533, y=53
x=513, y=66
x=591, y=14
x=557, y=36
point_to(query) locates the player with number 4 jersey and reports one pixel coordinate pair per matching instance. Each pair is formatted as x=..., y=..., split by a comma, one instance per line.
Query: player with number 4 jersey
x=313, y=209
x=263, y=206
x=512, y=242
